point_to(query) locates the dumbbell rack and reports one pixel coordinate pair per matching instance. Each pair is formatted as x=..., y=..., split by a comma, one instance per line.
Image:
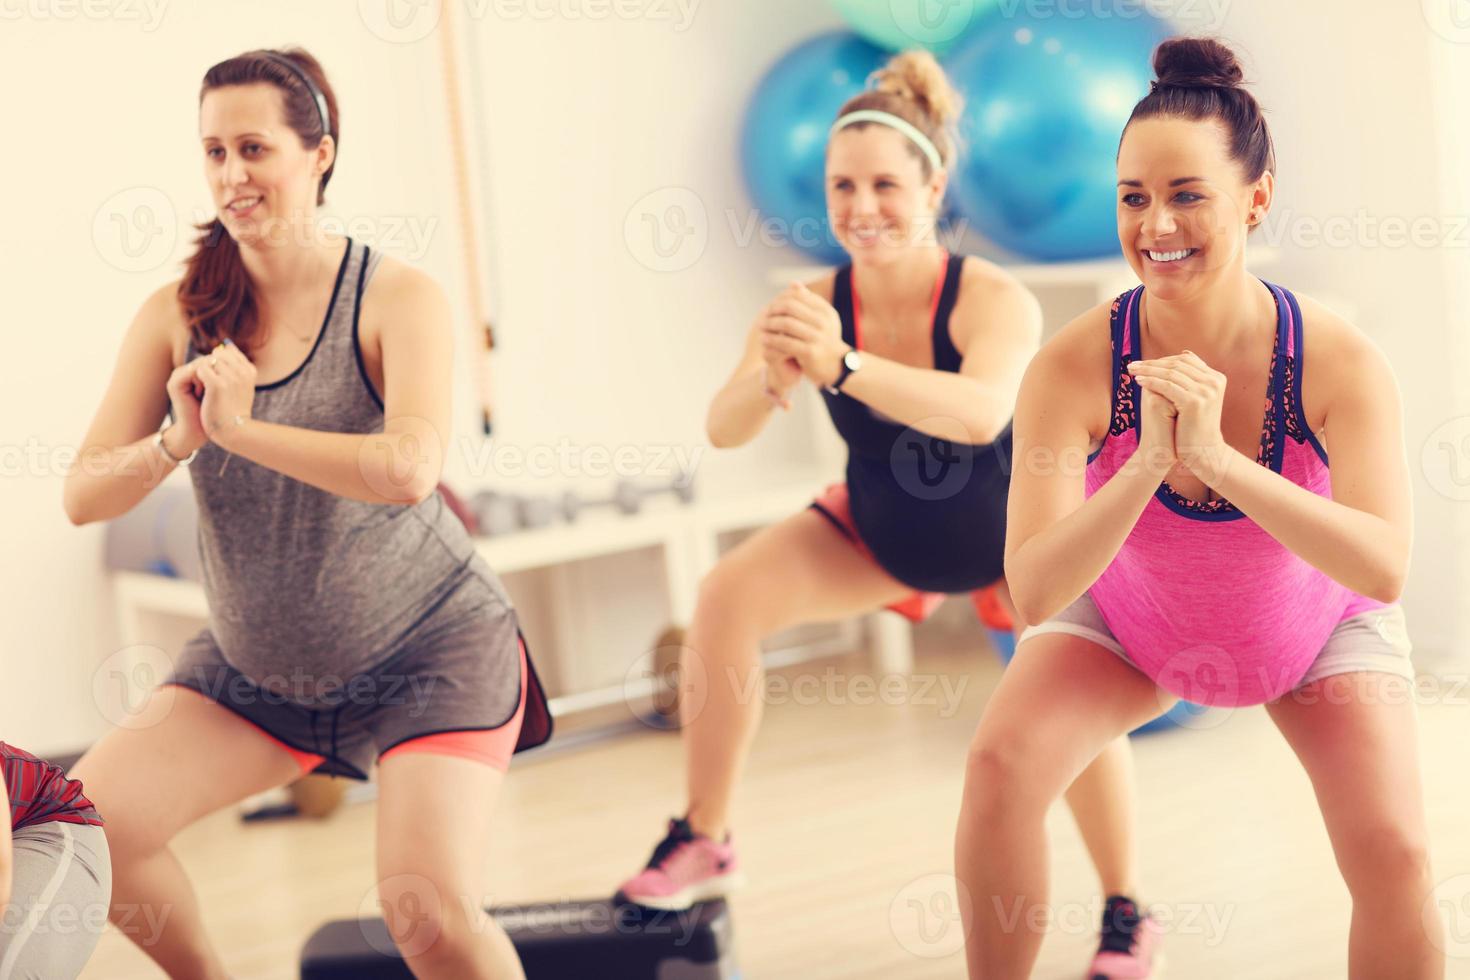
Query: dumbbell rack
x=687, y=536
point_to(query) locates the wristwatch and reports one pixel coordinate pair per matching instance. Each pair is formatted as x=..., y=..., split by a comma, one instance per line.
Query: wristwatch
x=851, y=362
x=158, y=441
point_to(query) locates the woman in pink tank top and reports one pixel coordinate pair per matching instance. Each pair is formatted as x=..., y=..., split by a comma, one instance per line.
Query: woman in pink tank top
x=1175, y=530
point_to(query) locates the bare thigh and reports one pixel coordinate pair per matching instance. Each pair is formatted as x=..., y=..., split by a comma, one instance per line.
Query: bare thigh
x=181, y=758
x=1060, y=702
x=799, y=570
x=433, y=844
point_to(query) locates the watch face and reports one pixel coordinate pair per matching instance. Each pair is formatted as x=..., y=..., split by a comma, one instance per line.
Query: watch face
x=853, y=360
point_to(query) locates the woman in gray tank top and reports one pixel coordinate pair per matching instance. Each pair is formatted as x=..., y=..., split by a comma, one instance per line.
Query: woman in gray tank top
x=351, y=620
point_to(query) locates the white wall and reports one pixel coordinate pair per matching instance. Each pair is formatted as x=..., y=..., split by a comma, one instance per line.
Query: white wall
x=586, y=118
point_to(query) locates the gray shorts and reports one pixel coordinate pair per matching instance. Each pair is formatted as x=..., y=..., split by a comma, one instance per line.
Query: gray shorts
x=1376, y=640
x=458, y=671
x=60, y=892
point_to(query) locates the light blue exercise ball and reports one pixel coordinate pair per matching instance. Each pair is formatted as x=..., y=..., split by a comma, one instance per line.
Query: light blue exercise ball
x=1048, y=92
x=897, y=25
x=783, y=138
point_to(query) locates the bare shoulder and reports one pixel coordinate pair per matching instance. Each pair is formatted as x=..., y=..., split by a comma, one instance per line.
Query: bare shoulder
x=1337, y=357
x=163, y=315
x=823, y=285
x=1074, y=367
x=992, y=299
x=396, y=282
x=402, y=295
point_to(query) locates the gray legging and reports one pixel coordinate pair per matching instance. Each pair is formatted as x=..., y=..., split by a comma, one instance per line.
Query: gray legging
x=59, y=897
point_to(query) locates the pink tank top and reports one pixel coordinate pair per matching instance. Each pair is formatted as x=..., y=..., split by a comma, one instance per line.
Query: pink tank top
x=1205, y=602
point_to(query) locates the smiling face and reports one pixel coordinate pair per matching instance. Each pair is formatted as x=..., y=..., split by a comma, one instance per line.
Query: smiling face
x=261, y=178
x=1184, y=207
x=878, y=201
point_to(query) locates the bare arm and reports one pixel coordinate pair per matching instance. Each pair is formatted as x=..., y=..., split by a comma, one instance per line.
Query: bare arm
x=740, y=409
x=997, y=327
x=1058, y=541
x=118, y=464
x=1363, y=535
x=401, y=464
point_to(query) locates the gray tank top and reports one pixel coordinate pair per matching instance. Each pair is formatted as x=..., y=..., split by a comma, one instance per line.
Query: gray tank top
x=303, y=583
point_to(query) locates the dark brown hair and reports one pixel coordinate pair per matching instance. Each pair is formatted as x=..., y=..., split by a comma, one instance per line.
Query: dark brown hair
x=1200, y=78
x=215, y=291
x=913, y=87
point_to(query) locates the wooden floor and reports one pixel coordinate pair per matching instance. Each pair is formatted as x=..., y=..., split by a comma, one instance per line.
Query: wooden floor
x=847, y=811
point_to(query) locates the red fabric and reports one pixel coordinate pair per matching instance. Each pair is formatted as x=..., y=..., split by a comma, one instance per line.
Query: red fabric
x=40, y=792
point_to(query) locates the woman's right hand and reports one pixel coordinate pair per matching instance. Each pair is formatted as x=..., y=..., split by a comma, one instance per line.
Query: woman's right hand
x=781, y=373
x=186, y=395
x=1158, y=416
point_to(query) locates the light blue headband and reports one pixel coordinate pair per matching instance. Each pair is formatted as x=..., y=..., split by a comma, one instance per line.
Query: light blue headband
x=902, y=125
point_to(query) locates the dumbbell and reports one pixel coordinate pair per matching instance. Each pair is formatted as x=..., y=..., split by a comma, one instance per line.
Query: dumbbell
x=502, y=513
x=628, y=496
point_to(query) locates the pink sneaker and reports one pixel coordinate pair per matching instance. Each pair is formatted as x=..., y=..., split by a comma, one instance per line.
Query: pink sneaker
x=1129, y=947
x=685, y=868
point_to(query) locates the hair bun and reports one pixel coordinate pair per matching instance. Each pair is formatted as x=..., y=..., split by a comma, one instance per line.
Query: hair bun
x=1191, y=62
x=917, y=76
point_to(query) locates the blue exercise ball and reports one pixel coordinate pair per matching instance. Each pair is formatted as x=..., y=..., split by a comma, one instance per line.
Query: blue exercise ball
x=783, y=138
x=1180, y=715
x=901, y=24
x=1046, y=101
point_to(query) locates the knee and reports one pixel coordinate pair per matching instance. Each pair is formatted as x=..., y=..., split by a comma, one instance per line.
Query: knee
x=1001, y=776
x=733, y=593
x=1385, y=862
x=435, y=928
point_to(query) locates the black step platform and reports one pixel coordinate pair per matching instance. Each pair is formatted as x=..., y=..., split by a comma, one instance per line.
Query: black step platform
x=564, y=941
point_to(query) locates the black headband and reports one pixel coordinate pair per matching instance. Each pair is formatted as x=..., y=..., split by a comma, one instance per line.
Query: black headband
x=316, y=93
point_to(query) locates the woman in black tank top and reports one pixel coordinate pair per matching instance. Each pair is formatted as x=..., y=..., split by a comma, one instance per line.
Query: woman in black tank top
x=918, y=354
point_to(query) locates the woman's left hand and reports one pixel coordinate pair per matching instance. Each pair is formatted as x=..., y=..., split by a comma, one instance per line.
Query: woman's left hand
x=1198, y=392
x=801, y=325
x=229, y=389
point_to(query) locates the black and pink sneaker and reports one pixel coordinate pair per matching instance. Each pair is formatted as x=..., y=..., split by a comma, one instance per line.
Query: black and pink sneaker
x=685, y=868
x=1129, y=947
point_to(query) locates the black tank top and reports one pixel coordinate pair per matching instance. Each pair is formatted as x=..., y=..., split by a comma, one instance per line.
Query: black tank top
x=931, y=510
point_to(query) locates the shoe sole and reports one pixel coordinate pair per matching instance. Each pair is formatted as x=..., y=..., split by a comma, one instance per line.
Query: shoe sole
x=704, y=891
x=1156, y=971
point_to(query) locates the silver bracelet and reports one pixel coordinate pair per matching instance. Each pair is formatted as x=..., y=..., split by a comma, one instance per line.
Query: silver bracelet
x=158, y=441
